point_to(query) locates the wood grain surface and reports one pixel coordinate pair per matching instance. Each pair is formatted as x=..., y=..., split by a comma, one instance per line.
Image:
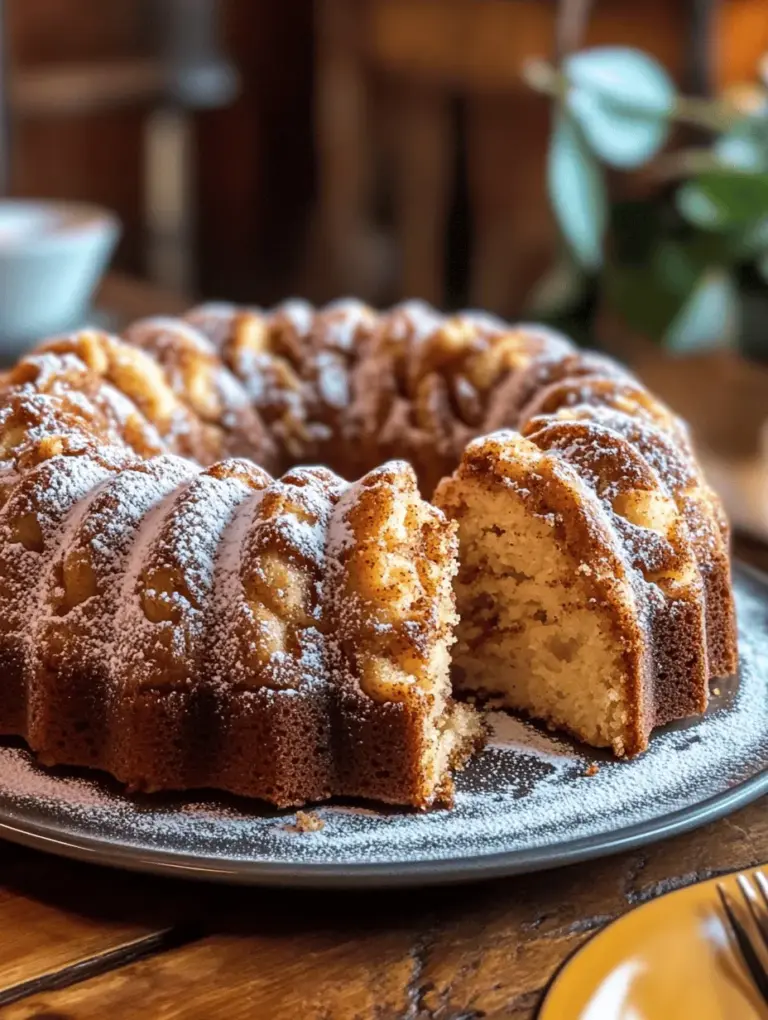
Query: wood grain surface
x=81, y=943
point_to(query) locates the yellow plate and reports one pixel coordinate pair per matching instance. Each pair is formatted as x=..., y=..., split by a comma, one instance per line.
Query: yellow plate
x=671, y=959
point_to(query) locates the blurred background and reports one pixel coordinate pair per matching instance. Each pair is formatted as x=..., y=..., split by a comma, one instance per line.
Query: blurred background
x=381, y=147
x=602, y=166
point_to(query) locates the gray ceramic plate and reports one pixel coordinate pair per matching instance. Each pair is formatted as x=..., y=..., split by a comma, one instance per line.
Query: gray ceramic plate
x=530, y=801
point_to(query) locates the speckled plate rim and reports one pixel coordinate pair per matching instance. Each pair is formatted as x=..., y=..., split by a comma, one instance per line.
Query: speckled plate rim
x=52, y=839
x=60, y=840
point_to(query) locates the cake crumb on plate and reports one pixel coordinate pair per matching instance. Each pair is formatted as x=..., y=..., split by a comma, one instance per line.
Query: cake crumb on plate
x=308, y=821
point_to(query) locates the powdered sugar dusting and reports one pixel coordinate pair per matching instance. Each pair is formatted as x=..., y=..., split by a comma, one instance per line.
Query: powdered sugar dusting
x=182, y=546
x=526, y=791
x=249, y=634
x=169, y=572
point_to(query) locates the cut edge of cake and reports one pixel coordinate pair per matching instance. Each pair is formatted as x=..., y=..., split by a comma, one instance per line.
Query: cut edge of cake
x=555, y=620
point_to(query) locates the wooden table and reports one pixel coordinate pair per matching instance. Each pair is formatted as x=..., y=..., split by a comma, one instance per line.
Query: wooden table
x=83, y=943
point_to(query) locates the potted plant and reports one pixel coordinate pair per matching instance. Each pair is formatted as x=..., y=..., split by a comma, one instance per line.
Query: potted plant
x=672, y=275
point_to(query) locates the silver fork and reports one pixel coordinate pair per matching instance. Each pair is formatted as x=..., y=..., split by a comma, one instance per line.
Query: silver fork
x=753, y=949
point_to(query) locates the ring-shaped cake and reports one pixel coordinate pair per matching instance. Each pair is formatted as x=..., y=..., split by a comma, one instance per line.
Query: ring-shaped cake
x=185, y=603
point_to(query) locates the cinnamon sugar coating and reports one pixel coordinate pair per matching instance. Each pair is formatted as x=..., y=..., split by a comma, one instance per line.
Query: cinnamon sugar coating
x=174, y=614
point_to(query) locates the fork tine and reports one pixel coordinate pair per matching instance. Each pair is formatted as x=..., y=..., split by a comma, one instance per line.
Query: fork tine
x=756, y=907
x=744, y=942
x=762, y=885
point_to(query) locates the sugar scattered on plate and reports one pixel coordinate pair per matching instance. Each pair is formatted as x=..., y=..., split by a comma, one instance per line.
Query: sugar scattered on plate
x=528, y=790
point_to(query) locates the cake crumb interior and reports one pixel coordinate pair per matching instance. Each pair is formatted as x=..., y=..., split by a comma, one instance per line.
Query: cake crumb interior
x=530, y=633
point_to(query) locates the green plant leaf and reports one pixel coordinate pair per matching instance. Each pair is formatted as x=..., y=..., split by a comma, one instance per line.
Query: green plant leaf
x=623, y=100
x=577, y=191
x=698, y=207
x=754, y=239
x=621, y=140
x=704, y=250
x=658, y=298
x=709, y=318
x=724, y=201
x=674, y=264
x=626, y=77
x=745, y=146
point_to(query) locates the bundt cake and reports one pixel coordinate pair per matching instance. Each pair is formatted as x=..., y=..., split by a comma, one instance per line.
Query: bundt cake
x=174, y=614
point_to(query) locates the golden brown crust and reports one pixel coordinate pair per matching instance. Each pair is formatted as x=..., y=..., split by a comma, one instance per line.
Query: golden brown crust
x=708, y=527
x=297, y=646
x=658, y=547
x=298, y=367
x=198, y=378
x=83, y=402
x=141, y=380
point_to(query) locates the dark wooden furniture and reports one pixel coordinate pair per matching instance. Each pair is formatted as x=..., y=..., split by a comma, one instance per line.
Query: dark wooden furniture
x=177, y=69
x=250, y=177
x=396, y=78
x=126, y=297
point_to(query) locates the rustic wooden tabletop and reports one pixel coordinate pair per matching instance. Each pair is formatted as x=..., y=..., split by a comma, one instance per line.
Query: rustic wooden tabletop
x=79, y=942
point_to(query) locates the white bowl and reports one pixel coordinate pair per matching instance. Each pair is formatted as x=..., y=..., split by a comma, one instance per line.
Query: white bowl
x=52, y=255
